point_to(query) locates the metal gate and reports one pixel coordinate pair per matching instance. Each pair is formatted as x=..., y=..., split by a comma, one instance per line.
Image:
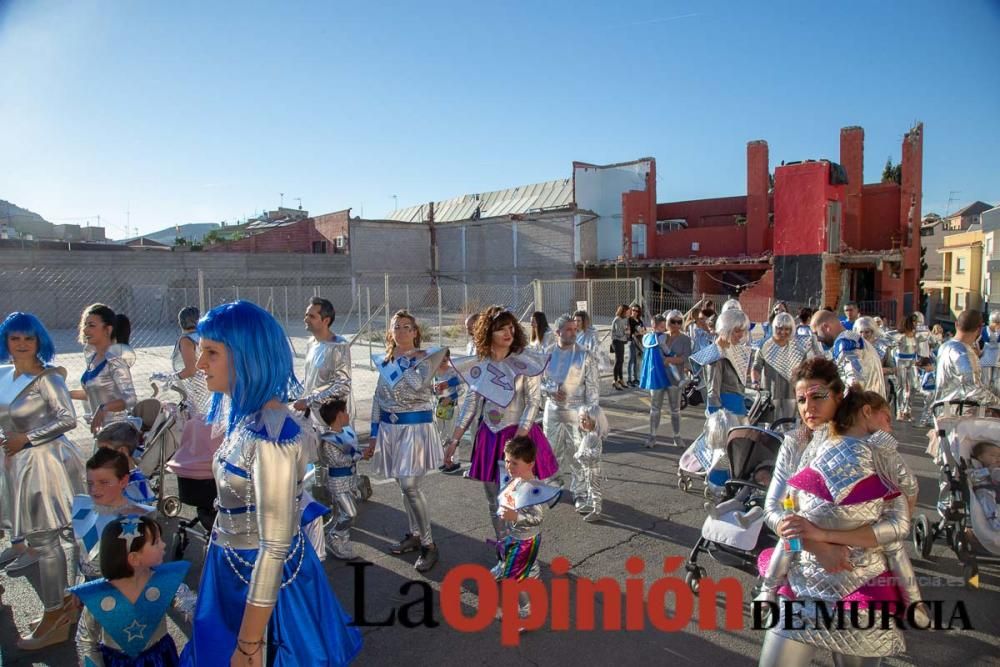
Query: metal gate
x=601, y=296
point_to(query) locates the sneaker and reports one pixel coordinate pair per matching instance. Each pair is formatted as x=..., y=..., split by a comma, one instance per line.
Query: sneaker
x=678, y=442
x=595, y=515
x=409, y=543
x=650, y=443
x=428, y=558
x=453, y=469
x=339, y=548
x=23, y=562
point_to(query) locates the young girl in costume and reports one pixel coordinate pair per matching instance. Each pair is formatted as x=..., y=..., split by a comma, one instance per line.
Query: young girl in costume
x=521, y=506
x=263, y=598
x=124, y=619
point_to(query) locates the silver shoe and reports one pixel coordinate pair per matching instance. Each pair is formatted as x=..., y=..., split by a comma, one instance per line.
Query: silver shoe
x=9, y=555
x=428, y=558
x=595, y=515
x=22, y=564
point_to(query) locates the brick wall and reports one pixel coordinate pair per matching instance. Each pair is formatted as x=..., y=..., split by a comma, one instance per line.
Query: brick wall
x=308, y=236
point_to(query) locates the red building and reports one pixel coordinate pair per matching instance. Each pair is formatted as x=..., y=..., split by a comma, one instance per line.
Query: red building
x=817, y=235
x=318, y=235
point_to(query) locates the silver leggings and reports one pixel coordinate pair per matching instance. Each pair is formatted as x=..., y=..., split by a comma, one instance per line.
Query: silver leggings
x=779, y=651
x=51, y=568
x=906, y=373
x=416, y=509
x=346, y=510
x=492, y=489
x=656, y=407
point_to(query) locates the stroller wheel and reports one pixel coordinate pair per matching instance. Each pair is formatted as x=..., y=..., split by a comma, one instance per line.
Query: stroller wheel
x=170, y=506
x=684, y=483
x=364, y=487
x=693, y=579
x=922, y=540
x=179, y=544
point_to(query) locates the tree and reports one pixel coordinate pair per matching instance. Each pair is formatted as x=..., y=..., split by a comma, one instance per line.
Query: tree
x=180, y=240
x=892, y=173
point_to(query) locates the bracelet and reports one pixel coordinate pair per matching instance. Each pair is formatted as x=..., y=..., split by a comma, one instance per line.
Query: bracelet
x=259, y=644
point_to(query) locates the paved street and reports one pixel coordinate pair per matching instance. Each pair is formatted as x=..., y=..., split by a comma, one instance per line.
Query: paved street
x=646, y=516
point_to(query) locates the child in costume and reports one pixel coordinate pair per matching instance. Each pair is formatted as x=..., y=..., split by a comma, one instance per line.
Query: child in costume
x=107, y=479
x=748, y=501
x=124, y=437
x=594, y=429
x=521, y=507
x=339, y=452
x=985, y=476
x=654, y=376
x=448, y=387
x=124, y=619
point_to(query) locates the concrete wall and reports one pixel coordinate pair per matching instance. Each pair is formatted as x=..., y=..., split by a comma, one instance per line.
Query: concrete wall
x=383, y=246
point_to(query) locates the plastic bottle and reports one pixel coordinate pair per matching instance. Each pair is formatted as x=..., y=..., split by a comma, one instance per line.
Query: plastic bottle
x=793, y=543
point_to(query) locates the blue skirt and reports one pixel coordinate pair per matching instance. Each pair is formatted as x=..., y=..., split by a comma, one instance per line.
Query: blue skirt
x=732, y=402
x=161, y=654
x=654, y=373
x=307, y=627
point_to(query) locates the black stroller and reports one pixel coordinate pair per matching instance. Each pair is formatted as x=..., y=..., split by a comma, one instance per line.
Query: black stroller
x=735, y=533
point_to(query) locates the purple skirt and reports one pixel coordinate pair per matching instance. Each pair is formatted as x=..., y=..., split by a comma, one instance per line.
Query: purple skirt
x=487, y=453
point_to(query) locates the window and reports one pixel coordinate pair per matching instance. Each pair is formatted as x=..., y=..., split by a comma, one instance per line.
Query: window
x=959, y=300
x=989, y=246
x=638, y=241
x=319, y=247
x=666, y=226
x=833, y=226
x=959, y=265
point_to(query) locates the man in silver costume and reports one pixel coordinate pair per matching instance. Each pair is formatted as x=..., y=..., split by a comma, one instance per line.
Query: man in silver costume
x=858, y=361
x=570, y=381
x=328, y=359
x=958, y=372
x=989, y=343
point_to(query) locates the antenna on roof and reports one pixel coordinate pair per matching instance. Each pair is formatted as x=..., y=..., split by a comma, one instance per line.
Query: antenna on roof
x=281, y=203
x=299, y=200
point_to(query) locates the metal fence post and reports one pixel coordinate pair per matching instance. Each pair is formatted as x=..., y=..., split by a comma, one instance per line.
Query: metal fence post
x=286, y=305
x=407, y=296
x=201, y=291
x=590, y=295
x=440, y=325
x=386, y=301
x=465, y=290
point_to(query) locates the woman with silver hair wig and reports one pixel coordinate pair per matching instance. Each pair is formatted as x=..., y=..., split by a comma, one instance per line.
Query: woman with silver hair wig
x=731, y=304
x=775, y=362
x=989, y=343
x=675, y=348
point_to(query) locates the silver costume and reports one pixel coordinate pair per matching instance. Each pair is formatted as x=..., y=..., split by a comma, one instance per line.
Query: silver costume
x=859, y=362
x=40, y=480
x=338, y=453
x=328, y=371
x=402, y=421
x=959, y=376
x=522, y=394
x=588, y=458
x=590, y=341
x=905, y=356
x=776, y=363
x=574, y=372
x=259, y=477
x=106, y=381
x=990, y=359
x=841, y=464
x=678, y=347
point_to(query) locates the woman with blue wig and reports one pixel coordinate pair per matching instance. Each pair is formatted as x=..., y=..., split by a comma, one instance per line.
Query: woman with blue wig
x=264, y=598
x=40, y=469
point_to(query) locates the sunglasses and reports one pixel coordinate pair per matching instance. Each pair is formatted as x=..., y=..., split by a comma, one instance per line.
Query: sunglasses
x=676, y=321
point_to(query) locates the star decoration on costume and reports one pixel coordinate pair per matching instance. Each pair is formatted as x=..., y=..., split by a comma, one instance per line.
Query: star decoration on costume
x=135, y=631
x=130, y=530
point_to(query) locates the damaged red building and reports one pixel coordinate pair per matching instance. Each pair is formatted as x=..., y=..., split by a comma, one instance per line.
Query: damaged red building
x=814, y=235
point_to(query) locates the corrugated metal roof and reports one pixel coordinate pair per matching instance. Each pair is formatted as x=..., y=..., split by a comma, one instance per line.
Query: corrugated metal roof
x=522, y=199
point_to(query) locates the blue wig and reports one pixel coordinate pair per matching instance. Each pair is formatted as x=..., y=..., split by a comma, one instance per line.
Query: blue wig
x=26, y=323
x=260, y=358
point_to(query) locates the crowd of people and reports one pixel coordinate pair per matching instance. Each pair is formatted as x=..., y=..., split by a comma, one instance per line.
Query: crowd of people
x=254, y=438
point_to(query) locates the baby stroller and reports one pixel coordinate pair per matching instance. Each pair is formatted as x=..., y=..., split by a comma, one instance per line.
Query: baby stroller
x=963, y=523
x=162, y=424
x=736, y=533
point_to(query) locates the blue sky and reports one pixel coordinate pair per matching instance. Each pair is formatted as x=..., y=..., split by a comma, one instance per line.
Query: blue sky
x=199, y=112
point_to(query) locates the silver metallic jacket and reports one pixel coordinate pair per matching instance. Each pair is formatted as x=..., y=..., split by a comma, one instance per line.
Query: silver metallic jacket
x=859, y=362
x=114, y=382
x=414, y=392
x=38, y=406
x=842, y=463
x=990, y=342
x=199, y=398
x=259, y=471
x=529, y=519
x=778, y=362
x=522, y=410
x=575, y=371
x=959, y=376
x=328, y=371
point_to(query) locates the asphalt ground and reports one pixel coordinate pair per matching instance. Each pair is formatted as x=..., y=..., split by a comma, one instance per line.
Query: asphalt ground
x=646, y=516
